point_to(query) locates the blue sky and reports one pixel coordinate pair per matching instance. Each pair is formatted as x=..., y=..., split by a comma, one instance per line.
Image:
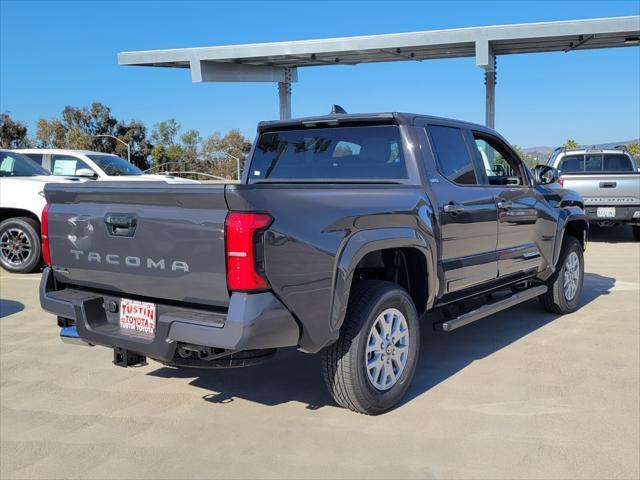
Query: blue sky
x=54, y=54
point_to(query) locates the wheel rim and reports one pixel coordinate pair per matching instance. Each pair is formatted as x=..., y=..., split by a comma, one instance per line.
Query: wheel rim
x=15, y=247
x=387, y=349
x=571, y=276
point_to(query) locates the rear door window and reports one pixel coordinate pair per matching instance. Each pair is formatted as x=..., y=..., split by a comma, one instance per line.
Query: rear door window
x=66, y=165
x=339, y=153
x=36, y=157
x=617, y=162
x=452, y=154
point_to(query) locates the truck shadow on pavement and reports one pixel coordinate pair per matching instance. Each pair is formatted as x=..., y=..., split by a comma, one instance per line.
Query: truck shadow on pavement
x=294, y=376
x=619, y=234
x=9, y=307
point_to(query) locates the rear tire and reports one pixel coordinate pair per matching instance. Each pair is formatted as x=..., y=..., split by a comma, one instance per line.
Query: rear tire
x=565, y=286
x=20, y=249
x=370, y=367
x=636, y=232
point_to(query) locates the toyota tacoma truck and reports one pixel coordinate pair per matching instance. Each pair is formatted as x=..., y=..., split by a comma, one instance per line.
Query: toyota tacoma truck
x=345, y=231
x=608, y=180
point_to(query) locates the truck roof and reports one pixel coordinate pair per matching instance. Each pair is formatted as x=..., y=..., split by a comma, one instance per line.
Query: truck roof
x=593, y=150
x=68, y=151
x=398, y=118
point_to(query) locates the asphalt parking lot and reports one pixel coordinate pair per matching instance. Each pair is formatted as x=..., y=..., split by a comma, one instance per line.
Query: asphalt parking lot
x=522, y=394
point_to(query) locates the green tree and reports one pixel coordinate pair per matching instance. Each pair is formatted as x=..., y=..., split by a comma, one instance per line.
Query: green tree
x=634, y=149
x=135, y=134
x=166, y=153
x=571, y=144
x=50, y=133
x=526, y=158
x=220, y=153
x=13, y=134
x=78, y=128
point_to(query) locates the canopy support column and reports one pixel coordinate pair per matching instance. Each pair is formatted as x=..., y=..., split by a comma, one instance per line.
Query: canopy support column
x=490, y=99
x=486, y=60
x=284, y=94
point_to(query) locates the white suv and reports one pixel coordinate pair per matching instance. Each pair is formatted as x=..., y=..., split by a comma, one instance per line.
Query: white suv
x=91, y=165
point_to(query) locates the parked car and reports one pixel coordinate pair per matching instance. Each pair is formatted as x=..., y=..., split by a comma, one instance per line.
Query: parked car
x=92, y=165
x=345, y=231
x=608, y=180
x=22, y=199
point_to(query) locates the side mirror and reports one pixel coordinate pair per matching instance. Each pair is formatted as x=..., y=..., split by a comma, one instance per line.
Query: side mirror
x=85, y=173
x=545, y=174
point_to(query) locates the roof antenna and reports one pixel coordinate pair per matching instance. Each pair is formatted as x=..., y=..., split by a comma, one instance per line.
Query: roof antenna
x=337, y=109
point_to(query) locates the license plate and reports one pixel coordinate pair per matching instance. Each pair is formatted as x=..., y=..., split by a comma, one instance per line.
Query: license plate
x=606, y=212
x=138, y=317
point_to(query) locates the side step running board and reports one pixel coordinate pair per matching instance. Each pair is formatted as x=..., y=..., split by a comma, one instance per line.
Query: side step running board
x=490, y=309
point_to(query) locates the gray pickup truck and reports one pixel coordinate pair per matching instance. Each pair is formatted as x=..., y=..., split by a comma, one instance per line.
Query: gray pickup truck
x=608, y=180
x=345, y=231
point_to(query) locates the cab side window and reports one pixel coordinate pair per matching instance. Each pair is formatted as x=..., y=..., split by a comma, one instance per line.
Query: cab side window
x=452, y=154
x=499, y=162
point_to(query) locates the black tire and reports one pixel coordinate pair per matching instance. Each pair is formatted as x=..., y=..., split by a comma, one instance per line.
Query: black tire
x=344, y=368
x=31, y=231
x=555, y=300
x=636, y=232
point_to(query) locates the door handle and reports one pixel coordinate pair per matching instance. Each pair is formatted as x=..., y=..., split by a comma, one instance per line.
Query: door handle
x=453, y=208
x=121, y=224
x=505, y=204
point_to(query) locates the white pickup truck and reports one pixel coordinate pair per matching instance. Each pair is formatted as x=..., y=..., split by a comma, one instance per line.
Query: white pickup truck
x=608, y=180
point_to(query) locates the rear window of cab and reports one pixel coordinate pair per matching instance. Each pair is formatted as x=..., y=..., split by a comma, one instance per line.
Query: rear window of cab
x=596, y=162
x=338, y=153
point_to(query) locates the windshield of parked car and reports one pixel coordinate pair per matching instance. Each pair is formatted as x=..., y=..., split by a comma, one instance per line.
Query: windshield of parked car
x=338, y=153
x=17, y=165
x=114, y=165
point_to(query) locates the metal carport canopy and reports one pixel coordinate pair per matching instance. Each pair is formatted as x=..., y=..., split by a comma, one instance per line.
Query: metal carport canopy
x=278, y=61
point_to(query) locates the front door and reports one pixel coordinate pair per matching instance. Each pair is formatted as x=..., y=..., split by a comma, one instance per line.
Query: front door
x=517, y=203
x=468, y=213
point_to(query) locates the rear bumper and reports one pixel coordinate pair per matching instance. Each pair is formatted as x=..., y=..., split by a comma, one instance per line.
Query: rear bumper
x=624, y=214
x=253, y=321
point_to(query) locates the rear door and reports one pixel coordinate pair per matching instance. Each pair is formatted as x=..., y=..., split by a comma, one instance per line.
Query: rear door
x=467, y=210
x=143, y=239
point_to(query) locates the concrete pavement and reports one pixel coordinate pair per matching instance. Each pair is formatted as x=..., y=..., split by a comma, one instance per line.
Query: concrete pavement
x=522, y=394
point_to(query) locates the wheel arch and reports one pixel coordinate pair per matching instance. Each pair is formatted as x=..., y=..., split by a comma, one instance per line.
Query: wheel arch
x=574, y=222
x=408, y=242
x=9, y=212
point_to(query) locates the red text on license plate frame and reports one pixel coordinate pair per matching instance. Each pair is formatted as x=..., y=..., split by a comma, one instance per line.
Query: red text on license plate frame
x=138, y=317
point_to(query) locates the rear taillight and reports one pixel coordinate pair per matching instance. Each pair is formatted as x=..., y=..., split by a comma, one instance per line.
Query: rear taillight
x=561, y=182
x=240, y=242
x=44, y=231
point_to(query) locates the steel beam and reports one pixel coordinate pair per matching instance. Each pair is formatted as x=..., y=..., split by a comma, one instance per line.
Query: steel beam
x=208, y=71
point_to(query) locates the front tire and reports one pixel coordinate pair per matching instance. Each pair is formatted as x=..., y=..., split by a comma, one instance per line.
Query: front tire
x=370, y=367
x=565, y=286
x=20, y=249
x=636, y=232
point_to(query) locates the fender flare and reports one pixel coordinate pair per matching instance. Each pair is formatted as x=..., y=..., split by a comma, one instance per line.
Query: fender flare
x=359, y=245
x=568, y=215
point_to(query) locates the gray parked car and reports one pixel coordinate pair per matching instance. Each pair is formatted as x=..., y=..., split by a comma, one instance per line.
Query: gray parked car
x=608, y=180
x=345, y=231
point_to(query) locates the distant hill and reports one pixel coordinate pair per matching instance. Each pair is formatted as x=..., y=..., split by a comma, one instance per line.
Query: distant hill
x=543, y=152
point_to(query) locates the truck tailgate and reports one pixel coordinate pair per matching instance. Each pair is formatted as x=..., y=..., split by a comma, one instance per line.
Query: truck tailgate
x=140, y=239
x=606, y=189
